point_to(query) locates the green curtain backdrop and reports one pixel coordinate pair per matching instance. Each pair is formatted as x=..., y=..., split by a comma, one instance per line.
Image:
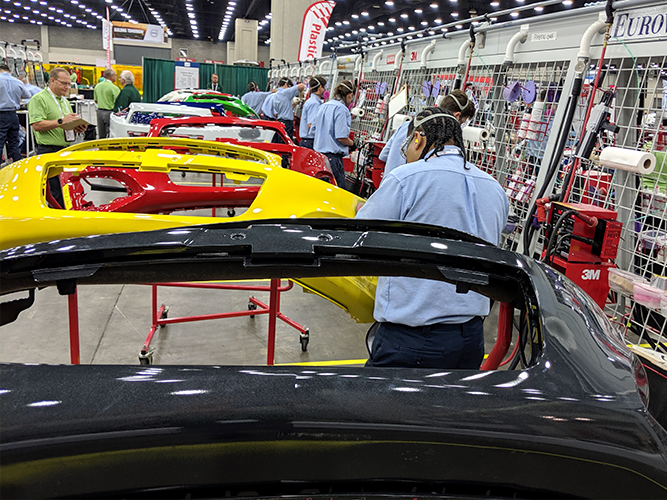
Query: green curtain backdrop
x=158, y=75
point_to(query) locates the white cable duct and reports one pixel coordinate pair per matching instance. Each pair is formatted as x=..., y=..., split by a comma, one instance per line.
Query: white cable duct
x=376, y=59
x=463, y=49
x=398, y=59
x=357, y=63
x=425, y=53
x=520, y=36
x=326, y=63
x=294, y=72
x=598, y=26
x=285, y=71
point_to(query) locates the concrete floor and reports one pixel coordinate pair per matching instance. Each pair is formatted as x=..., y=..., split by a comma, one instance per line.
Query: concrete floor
x=115, y=320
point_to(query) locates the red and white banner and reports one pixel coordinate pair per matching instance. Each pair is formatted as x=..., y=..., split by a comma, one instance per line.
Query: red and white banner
x=315, y=22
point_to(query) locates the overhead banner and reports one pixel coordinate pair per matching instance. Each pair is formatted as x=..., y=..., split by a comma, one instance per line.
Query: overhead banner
x=142, y=33
x=186, y=75
x=641, y=24
x=315, y=22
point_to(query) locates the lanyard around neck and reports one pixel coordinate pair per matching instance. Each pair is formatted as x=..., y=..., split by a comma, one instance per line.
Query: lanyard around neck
x=62, y=115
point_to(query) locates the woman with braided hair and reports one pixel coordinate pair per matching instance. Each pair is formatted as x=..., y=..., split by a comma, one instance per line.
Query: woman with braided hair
x=332, y=129
x=456, y=102
x=309, y=112
x=420, y=322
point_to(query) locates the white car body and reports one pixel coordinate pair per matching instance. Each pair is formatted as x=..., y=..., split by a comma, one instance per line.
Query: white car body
x=136, y=122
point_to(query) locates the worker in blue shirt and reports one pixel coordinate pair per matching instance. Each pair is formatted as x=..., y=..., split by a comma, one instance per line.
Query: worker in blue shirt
x=332, y=129
x=267, y=108
x=456, y=102
x=11, y=93
x=282, y=103
x=254, y=98
x=309, y=112
x=426, y=323
x=32, y=89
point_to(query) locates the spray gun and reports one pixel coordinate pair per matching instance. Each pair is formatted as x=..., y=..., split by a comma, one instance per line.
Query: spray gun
x=597, y=122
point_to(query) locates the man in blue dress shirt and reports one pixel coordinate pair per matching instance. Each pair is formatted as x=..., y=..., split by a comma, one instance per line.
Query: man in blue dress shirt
x=310, y=109
x=426, y=323
x=11, y=93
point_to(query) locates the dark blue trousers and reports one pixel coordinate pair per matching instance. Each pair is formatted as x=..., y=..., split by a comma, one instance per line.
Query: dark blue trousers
x=9, y=135
x=306, y=143
x=289, y=127
x=442, y=346
x=336, y=163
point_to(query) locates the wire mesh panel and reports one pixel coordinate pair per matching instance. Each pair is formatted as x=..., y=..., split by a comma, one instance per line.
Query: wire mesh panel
x=637, y=90
x=519, y=113
x=372, y=104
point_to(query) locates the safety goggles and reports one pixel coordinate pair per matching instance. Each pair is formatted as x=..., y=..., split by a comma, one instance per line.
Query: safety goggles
x=406, y=144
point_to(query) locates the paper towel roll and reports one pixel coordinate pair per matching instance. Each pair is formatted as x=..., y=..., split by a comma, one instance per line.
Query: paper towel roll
x=475, y=134
x=357, y=112
x=639, y=162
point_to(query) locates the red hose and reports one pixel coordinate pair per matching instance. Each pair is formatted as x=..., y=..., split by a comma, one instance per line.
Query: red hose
x=575, y=164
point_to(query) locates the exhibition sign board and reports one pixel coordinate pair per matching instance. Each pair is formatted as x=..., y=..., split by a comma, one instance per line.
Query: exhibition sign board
x=640, y=24
x=141, y=33
x=314, y=27
x=186, y=75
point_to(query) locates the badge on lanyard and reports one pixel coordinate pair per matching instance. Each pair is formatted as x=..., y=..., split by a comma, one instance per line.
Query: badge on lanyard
x=69, y=134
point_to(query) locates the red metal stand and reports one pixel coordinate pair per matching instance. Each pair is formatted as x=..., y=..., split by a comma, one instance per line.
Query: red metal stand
x=502, y=345
x=255, y=306
x=73, y=310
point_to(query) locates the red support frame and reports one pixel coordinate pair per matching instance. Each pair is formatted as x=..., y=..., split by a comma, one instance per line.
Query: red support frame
x=255, y=306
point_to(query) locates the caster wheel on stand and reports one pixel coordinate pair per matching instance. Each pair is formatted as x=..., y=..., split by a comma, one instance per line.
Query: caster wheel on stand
x=303, y=340
x=164, y=315
x=252, y=307
x=146, y=357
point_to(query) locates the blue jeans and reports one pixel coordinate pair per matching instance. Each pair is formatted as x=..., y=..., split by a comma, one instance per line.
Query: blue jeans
x=336, y=163
x=442, y=346
x=9, y=134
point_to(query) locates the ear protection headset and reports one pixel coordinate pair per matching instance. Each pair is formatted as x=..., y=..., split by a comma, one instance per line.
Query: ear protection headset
x=461, y=107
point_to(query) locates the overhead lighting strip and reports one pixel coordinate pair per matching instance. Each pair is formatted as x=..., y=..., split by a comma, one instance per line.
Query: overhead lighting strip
x=159, y=19
x=191, y=16
x=226, y=21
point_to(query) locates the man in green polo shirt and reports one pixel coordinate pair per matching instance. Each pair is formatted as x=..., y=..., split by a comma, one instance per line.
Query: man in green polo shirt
x=105, y=97
x=129, y=94
x=47, y=111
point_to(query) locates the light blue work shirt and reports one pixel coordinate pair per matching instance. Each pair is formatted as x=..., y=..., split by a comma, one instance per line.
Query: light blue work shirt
x=11, y=92
x=267, y=106
x=331, y=123
x=437, y=191
x=255, y=100
x=32, y=89
x=391, y=152
x=282, y=103
x=308, y=115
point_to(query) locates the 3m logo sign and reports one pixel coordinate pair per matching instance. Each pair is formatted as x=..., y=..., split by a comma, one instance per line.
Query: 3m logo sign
x=590, y=274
